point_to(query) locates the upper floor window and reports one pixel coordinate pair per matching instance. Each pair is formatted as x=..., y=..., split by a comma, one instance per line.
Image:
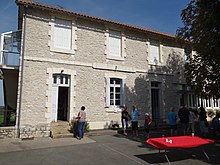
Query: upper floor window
x=63, y=34
x=154, y=53
x=114, y=41
x=115, y=45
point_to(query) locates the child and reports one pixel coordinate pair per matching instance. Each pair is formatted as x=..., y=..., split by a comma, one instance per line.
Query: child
x=148, y=121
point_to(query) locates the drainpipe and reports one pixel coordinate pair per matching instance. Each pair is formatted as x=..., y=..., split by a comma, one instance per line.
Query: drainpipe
x=22, y=73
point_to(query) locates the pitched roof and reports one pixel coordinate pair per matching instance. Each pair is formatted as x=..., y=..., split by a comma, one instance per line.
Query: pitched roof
x=58, y=9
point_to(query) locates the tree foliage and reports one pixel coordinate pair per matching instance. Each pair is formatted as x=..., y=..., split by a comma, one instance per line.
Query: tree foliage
x=201, y=31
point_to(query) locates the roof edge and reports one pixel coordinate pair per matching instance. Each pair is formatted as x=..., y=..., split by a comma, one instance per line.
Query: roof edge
x=45, y=6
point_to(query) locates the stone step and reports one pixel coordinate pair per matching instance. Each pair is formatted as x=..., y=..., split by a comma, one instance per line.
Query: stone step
x=60, y=129
x=63, y=135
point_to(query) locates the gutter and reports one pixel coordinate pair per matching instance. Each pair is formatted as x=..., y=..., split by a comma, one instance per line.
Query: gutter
x=18, y=116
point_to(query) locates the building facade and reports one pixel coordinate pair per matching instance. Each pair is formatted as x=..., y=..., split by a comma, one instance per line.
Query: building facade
x=69, y=60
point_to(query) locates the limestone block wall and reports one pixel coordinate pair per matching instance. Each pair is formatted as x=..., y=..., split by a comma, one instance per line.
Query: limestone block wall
x=7, y=132
x=39, y=130
x=89, y=65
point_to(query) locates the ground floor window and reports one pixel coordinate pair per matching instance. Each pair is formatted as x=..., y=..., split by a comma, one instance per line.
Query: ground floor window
x=115, y=92
x=207, y=102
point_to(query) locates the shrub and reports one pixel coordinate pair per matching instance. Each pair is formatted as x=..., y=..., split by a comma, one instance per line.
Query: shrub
x=74, y=124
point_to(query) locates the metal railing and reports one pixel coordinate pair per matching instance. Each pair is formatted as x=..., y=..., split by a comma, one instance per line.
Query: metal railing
x=10, y=47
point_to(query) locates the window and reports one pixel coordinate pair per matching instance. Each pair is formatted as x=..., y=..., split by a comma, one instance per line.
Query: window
x=61, y=79
x=63, y=34
x=208, y=101
x=10, y=48
x=114, y=46
x=215, y=102
x=154, y=54
x=200, y=101
x=192, y=100
x=115, y=92
x=154, y=84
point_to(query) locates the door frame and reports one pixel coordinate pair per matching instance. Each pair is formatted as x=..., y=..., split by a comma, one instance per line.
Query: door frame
x=59, y=80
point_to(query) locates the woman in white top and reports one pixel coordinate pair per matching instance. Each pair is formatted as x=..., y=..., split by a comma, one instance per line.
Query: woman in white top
x=81, y=122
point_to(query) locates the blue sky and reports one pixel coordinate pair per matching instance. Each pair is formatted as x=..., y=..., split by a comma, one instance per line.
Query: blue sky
x=159, y=15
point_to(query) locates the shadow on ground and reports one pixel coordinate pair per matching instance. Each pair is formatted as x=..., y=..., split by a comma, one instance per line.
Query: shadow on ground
x=154, y=156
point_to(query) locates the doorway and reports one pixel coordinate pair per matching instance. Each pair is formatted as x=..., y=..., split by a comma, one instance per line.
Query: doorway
x=155, y=103
x=60, y=97
x=63, y=93
x=155, y=100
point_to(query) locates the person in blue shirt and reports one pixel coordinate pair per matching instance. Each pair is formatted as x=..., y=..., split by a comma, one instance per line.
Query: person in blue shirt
x=134, y=120
x=172, y=121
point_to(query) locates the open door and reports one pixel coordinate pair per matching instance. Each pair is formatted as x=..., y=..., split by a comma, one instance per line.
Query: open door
x=63, y=96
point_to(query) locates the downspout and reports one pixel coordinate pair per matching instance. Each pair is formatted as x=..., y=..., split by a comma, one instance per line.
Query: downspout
x=22, y=73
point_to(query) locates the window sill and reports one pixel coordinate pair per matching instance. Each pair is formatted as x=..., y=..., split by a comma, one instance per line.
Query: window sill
x=115, y=58
x=65, y=51
x=113, y=109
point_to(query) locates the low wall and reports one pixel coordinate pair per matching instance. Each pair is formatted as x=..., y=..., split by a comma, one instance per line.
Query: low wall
x=7, y=132
x=26, y=132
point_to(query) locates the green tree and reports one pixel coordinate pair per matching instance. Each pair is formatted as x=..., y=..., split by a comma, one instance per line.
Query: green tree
x=201, y=31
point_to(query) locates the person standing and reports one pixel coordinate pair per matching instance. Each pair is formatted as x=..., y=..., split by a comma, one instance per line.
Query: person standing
x=203, y=123
x=147, y=123
x=183, y=115
x=215, y=124
x=172, y=117
x=81, y=122
x=192, y=120
x=124, y=119
x=134, y=120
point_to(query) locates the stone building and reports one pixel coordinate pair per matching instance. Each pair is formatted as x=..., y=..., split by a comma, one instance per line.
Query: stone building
x=69, y=59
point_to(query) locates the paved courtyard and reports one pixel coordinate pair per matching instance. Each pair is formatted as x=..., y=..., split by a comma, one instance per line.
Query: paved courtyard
x=111, y=149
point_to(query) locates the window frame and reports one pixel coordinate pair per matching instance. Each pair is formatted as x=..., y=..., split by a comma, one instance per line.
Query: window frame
x=115, y=85
x=63, y=28
x=73, y=36
x=61, y=80
x=115, y=108
x=122, y=37
x=154, y=43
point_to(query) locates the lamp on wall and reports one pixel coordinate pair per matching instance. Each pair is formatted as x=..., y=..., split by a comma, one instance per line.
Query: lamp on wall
x=61, y=70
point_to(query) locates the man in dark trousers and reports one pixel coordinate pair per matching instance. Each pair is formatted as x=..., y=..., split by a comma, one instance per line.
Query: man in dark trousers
x=183, y=115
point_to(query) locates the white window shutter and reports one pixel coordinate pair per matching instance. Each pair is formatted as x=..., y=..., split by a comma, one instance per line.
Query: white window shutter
x=62, y=34
x=114, y=43
x=107, y=92
x=154, y=52
x=123, y=95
